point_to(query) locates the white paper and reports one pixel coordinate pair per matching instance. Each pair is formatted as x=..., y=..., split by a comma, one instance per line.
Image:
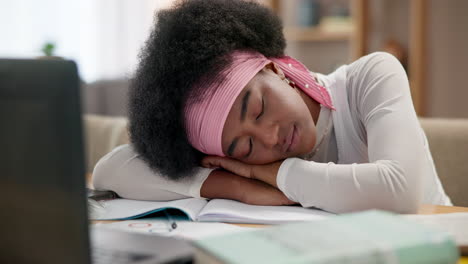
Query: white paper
x=455, y=224
x=221, y=210
x=185, y=229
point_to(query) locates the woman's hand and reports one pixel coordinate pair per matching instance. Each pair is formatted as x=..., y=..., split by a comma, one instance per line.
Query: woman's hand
x=232, y=165
x=227, y=185
x=266, y=173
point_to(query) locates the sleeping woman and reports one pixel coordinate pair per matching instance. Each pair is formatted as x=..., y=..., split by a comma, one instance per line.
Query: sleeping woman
x=217, y=110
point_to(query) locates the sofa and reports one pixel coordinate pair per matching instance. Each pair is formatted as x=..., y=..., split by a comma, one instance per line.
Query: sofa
x=448, y=140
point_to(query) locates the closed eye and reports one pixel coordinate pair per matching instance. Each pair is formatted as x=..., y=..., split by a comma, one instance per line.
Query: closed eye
x=251, y=140
x=263, y=107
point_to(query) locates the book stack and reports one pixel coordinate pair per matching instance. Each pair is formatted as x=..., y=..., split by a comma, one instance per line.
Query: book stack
x=367, y=237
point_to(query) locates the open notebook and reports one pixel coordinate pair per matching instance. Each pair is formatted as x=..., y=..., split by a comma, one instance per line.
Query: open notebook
x=216, y=210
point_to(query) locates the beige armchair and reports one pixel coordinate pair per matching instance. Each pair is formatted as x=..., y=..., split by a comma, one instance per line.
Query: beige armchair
x=448, y=140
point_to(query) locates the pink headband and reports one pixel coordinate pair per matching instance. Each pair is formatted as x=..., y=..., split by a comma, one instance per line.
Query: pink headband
x=204, y=120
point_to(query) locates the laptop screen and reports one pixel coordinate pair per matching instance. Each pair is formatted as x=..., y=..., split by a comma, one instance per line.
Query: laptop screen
x=44, y=213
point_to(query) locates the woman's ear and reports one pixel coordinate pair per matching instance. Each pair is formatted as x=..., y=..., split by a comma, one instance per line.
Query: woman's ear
x=273, y=67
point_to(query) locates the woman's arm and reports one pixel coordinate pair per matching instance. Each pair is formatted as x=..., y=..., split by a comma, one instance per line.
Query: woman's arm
x=125, y=173
x=398, y=159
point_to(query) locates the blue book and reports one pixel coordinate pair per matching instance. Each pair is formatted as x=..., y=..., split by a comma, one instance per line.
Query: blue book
x=366, y=237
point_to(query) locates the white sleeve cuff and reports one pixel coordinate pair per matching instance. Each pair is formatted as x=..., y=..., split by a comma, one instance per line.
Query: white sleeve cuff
x=283, y=174
x=198, y=180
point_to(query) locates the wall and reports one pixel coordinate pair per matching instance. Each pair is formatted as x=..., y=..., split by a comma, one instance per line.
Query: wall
x=448, y=58
x=447, y=49
x=320, y=56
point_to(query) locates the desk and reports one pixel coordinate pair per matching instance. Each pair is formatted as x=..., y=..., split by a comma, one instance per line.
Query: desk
x=440, y=209
x=424, y=209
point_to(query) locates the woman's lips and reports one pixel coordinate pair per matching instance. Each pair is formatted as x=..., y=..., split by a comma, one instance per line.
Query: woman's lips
x=294, y=140
x=291, y=140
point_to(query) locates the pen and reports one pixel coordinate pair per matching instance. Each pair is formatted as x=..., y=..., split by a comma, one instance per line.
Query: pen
x=97, y=195
x=172, y=223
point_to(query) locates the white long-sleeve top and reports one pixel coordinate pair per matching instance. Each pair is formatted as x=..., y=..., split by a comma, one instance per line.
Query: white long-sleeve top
x=370, y=152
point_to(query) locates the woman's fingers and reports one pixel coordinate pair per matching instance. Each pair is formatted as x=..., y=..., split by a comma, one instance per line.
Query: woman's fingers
x=206, y=162
x=228, y=164
x=211, y=162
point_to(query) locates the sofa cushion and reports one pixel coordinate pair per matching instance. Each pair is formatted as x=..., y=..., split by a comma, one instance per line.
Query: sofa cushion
x=102, y=134
x=448, y=141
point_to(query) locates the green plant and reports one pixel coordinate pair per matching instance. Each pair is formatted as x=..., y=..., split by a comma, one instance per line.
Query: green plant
x=48, y=49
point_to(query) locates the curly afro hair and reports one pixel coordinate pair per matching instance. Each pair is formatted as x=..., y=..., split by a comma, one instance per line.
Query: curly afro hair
x=190, y=41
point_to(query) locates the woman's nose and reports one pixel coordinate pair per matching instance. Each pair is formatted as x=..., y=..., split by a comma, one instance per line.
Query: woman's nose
x=268, y=135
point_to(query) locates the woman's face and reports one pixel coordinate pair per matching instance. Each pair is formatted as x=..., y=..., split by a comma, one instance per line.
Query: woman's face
x=270, y=120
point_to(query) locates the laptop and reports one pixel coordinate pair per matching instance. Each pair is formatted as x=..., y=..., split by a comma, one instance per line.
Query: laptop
x=42, y=177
